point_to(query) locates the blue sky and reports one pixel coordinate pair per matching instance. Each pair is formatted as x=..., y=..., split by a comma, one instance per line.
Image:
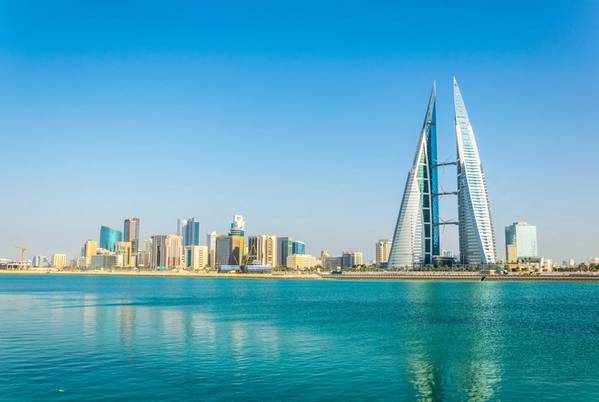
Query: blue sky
x=302, y=116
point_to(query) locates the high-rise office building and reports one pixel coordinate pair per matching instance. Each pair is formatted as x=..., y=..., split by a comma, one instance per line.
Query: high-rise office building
x=520, y=241
x=181, y=226
x=211, y=243
x=416, y=236
x=145, y=256
x=131, y=233
x=109, y=237
x=237, y=226
x=191, y=232
x=382, y=250
x=358, y=258
x=167, y=251
x=298, y=247
x=89, y=249
x=237, y=249
x=262, y=250
x=477, y=240
x=284, y=250
x=236, y=234
x=223, y=250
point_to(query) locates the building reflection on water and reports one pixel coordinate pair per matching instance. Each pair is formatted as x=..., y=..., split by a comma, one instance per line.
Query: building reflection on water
x=475, y=351
x=181, y=329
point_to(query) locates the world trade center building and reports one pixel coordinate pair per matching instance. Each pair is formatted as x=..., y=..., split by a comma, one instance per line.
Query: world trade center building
x=416, y=239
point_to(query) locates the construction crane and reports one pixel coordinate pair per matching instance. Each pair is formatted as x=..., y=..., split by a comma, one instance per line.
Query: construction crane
x=23, y=251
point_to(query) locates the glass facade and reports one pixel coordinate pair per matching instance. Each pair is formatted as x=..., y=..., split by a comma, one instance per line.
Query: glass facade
x=477, y=239
x=131, y=233
x=191, y=233
x=522, y=239
x=223, y=250
x=109, y=237
x=416, y=237
x=298, y=247
x=284, y=249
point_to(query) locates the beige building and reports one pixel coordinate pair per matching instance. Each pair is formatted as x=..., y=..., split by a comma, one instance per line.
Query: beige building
x=123, y=251
x=211, y=243
x=59, y=260
x=358, y=258
x=196, y=257
x=531, y=265
x=383, y=249
x=301, y=261
x=144, y=257
x=90, y=248
x=167, y=252
x=262, y=250
x=546, y=265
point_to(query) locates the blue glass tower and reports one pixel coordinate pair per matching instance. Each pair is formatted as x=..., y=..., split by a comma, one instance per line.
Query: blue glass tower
x=298, y=247
x=191, y=233
x=284, y=249
x=109, y=237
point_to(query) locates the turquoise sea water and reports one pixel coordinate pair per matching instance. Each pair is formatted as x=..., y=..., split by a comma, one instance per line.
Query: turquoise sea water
x=148, y=338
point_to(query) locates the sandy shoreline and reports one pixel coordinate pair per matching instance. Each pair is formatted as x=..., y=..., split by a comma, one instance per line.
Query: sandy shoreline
x=432, y=276
x=163, y=274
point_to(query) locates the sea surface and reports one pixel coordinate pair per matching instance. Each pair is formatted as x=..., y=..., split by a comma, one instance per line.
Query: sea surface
x=98, y=338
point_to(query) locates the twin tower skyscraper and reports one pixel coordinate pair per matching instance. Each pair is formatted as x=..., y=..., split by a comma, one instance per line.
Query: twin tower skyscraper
x=416, y=240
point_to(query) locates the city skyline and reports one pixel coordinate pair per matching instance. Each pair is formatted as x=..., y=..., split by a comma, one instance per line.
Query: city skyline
x=216, y=116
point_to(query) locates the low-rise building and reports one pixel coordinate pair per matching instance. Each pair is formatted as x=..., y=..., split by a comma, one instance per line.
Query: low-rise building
x=259, y=269
x=301, y=261
x=103, y=261
x=530, y=265
x=332, y=262
x=228, y=268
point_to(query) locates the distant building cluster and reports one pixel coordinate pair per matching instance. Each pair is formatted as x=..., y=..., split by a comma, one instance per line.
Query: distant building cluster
x=183, y=250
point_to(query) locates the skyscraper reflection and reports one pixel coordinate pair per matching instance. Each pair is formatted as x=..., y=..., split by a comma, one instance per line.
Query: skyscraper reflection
x=462, y=336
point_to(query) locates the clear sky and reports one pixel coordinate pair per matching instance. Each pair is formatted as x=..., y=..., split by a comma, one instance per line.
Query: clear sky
x=302, y=116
